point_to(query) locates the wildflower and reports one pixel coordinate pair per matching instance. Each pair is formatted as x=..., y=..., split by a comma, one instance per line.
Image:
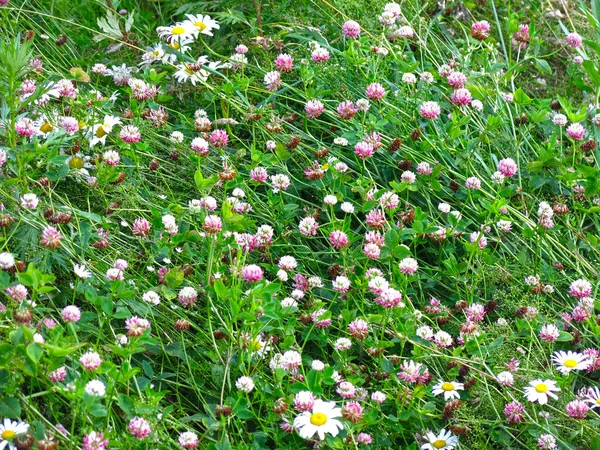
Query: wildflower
x=352, y=411
x=449, y=389
x=405, y=31
x=280, y=182
x=375, y=91
x=338, y=239
x=321, y=420
x=442, y=339
x=539, y=391
x=94, y=441
x=201, y=24
x=136, y=326
x=187, y=296
x=284, y=62
x=576, y=131
x=358, y=328
x=574, y=40
x=139, y=427
x=559, y=120
x=181, y=31
x=409, y=78
x=100, y=131
x=188, y=440
x=304, y=401
x=593, y=397
x=252, y=273
x=291, y=360
x=90, y=360
x=151, y=297
x=95, y=388
x=430, y=110
x=212, y=224
x=378, y=397
x=423, y=168
x=549, y=332
x=408, y=177
x=8, y=430
x=390, y=298
x=580, y=288
x=546, y=442
x=50, y=237
x=505, y=378
x=577, y=409
x=351, y=29
x=363, y=150
x=272, y=80
x=71, y=313
x=314, y=108
x=477, y=105
x=7, y=261
x=508, y=167
x=444, y=440
x=567, y=361
x=342, y=344
x=244, y=384
x=408, y=266
x=29, y=201
x=426, y=77
x=514, y=411
x=218, y=138
x=320, y=54
x=461, y=97
x=473, y=183
x=25, y=127
x=480, y=30
x=346, y=110
x=457, y=80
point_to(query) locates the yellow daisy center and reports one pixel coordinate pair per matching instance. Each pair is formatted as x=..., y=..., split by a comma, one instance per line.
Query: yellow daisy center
x=177, y=31
x=200, y=25
x=100, y=132
x=174, y=45
x=318, y=419
x=570, y=363
x=46, y=128
x=76, y=163
x=7, y=434
x=256, y=345
x=598, y=400
x=541, y=388
x=447, y=387
x=440, y=443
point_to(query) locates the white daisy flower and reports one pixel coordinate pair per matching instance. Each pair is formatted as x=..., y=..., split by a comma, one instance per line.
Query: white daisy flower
x=567, y=361
x=593, y=397
x=538, y=391
x=449, y=389
x=444, y=440
x=259, y=347
x=201, y=24
x=321, y=420
x=8, y=430
x=179, y=31
x=81, y=271
x=101, y=130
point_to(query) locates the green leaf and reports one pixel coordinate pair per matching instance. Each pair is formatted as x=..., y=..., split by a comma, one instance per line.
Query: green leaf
x=521, y=97
x=35, y=351
x=592, y=72
x=10, y=407
x=126, y=404
x=564, y=337
x=97, y=410
x=543, y=66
